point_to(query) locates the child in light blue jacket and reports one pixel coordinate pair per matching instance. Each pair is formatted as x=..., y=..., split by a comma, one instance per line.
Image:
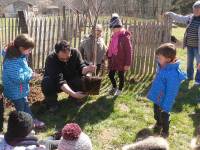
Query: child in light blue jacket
x=17, y=74
x=165, y=86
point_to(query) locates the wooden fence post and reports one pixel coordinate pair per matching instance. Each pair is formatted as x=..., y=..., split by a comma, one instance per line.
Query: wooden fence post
x=64, y=24
x=24, y=29
x=22, y=22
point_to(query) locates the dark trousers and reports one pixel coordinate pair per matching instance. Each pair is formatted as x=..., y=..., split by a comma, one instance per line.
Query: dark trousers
x=98, y=69
x=22, y=105
x=1, y=114
x=162, y=118
x=113, y=81
x=192, y=53
x=50, y=89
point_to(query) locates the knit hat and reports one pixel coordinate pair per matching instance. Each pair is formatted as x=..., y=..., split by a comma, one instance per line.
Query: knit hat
x=20, y=125
x=74, y=138
x=115, y=21
x=196, y=4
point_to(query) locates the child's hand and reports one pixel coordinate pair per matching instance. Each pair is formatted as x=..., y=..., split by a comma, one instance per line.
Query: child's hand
x=198, y=66
x=126, y=68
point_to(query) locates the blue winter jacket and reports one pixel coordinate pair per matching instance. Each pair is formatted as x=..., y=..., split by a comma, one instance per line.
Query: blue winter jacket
x=166, y=85
x=16, y=77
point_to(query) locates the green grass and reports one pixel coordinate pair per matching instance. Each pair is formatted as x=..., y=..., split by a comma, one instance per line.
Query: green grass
x=113, y=122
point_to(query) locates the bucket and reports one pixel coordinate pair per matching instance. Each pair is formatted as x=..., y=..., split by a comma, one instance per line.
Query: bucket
x=91, y=85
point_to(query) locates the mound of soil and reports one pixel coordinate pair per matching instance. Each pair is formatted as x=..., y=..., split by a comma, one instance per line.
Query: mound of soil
x=36, y=94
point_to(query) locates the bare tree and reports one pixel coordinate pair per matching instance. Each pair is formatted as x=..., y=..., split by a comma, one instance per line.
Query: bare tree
x=93, y=10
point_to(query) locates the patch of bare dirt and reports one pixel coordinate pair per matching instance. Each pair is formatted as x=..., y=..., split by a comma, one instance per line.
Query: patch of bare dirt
x=36, y=94
x=124, y=108
x=107, y=135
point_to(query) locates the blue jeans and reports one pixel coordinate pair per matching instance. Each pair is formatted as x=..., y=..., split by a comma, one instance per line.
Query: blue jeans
x=22, y=105
x=191, y=54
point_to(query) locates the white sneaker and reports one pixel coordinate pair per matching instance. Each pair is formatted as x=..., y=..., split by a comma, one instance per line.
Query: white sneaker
x=112, y=91
x=118, y=93
x=38, y=124
x=32, y=133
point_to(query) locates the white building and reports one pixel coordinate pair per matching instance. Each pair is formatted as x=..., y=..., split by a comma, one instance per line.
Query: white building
x=10, y=8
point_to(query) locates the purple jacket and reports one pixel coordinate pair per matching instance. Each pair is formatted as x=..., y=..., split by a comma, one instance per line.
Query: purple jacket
x=124, y=54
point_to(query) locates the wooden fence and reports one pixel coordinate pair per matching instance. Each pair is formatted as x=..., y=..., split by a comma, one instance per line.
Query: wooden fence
x=46, y=31
x=146, y=38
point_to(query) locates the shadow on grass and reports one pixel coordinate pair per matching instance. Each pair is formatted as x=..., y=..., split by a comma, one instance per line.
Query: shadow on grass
x=195, y=116
x=186, y=97
x=95, y=111
x=143, y=134
x=91, y=112
x=139, y=84
x=189, y=97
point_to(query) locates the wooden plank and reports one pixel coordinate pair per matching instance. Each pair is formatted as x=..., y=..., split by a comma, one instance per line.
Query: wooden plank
x=78, y=30
x=148, y=48
x=85, y=26
x=64, y=23
x=141, y=48
x=144, y=49
x=53, y=34
x=134, y=38
x=126, y=24
x=67, y=27
x=59, y=27
x=155, y=45
x=160, y=30
x=12, y=29
x=2, y=33
x=39, y=44
x=75, y=31
x=139, y=52
x=152, y=46
x=35, y=37
x=16, y=26
x=30, y=31
x=71, y=31
x=49, y=36
x=107, y=34
x=9, y=32
x=5, y=26
x=44, y=43
x=31, y=27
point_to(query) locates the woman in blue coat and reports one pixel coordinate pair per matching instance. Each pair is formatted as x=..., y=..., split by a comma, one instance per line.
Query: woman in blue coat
x=17, y=74
x=165, y=86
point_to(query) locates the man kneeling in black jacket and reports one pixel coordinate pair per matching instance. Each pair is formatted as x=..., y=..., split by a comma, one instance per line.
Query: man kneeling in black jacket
x=63, y=71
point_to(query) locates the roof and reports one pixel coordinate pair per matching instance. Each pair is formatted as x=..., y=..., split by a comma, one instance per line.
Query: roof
x=52, y=7
x=8, y=2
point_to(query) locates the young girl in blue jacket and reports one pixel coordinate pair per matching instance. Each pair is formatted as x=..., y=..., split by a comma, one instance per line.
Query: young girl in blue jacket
x=165, y=86
x=17, y=74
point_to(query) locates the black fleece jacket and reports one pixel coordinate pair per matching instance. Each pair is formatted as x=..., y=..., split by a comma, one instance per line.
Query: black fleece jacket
x=62, y=72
